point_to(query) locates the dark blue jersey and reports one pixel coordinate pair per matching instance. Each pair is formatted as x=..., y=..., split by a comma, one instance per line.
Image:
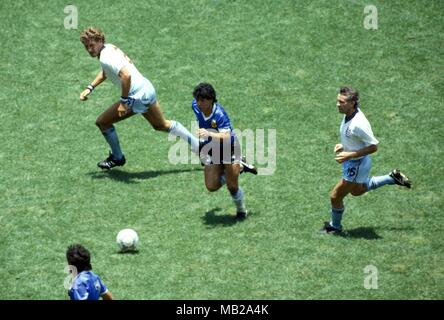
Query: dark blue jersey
x=87, y=286
x=218, y=120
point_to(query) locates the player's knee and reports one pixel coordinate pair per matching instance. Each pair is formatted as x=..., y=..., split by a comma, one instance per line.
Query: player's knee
x=333, y=195
x=160, y=126
x=212, y=187
x=99, y=123
x=102, y=124
x=358, y=192
x=233, y=189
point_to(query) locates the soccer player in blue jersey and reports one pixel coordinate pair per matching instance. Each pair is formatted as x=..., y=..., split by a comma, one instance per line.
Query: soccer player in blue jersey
x=219, y=147
x=86, y=285
x=137, y=96
x=357, y=143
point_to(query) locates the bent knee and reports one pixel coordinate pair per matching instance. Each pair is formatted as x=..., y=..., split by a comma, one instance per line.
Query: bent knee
x=212, y=187
x=358, y=192
x=233, y=190
x=102, y=124
x=99, y=123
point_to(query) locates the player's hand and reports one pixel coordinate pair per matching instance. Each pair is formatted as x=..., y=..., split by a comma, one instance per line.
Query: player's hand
x=343, y=156
x=84, y=94
x=202, y=133
x=122, y=109
x=338, y=148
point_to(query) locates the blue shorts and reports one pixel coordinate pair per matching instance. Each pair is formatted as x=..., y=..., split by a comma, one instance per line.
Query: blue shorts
x=357, y=171
x=143, y=98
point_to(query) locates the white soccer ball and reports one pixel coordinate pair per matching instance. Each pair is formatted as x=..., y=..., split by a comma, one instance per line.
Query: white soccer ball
x=127, y=240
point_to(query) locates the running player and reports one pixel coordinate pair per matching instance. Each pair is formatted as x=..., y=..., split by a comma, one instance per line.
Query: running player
x=357, y=143
x=137, y=96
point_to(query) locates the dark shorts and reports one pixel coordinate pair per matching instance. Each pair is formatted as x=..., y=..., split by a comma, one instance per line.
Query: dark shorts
x=220, y=153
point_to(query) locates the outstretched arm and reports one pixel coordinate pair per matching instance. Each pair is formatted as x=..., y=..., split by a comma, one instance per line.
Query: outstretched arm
x=98, y=80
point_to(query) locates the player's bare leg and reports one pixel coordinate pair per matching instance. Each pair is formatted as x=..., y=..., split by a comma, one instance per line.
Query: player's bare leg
x=232, y=177
x=337, y=195
x=232, y=172
x=105, y=123
x=111, y=116
x=155, y=117
x=212, y=175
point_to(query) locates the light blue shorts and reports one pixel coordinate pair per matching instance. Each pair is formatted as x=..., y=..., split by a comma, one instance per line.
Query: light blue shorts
x=357, y=171
x=143, y=98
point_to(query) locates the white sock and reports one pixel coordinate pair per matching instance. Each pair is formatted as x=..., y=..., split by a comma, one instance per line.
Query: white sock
x=179, y=130
x=238, y=199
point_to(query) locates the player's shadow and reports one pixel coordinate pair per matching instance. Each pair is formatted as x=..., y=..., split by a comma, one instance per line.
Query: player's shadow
x=367, y=233
x=135, y=177
x=212, y=219
x=132, y=252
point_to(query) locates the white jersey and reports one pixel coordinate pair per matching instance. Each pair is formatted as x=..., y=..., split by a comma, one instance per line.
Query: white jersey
x=113, y=60
x=357, y=133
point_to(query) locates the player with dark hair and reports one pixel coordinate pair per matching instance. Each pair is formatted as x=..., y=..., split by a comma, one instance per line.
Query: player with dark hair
x=219, y=147
x=357, y=143
x=86, y=285
x=137, y=96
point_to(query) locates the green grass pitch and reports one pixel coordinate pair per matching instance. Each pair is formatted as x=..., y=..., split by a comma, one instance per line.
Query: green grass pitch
x=275, y=65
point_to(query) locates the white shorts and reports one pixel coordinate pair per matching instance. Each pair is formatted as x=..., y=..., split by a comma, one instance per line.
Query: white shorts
x=143, y=98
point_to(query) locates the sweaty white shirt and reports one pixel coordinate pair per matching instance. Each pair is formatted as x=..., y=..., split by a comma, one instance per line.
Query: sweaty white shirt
x=357, y=133
x=113, y=60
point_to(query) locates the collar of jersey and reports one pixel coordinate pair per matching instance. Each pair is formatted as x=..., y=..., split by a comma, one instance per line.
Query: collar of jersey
x=103, y=47
x=212, y=112
x=347, y=119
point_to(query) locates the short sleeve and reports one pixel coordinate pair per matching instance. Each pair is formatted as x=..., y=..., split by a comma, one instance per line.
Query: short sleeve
x=114, y=60
x=223, y=122
x=80, y=292
x=365, y=134
x=103, y=289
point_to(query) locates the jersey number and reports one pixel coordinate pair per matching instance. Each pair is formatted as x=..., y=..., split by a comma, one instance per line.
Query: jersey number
x=351, y=172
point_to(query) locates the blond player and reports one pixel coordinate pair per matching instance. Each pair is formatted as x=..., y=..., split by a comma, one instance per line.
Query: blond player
x=137, y=96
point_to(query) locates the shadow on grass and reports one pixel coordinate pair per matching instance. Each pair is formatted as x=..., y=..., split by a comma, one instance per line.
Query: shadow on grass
x=132, y=177
x=130, y=252
x=361, y=233
x=212, y=219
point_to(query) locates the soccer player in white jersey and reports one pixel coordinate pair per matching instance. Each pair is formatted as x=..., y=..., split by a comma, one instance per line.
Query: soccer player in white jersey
x=357, y=143
x=137, y=96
